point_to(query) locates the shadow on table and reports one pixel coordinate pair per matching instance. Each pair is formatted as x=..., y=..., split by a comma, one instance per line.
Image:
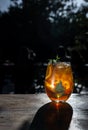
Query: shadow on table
x=51, y=116
x=25, y=126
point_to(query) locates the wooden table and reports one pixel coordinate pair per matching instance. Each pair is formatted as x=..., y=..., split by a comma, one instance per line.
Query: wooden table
x=18, y=112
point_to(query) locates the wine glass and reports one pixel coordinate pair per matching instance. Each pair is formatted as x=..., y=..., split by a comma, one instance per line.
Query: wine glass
x=59, y=81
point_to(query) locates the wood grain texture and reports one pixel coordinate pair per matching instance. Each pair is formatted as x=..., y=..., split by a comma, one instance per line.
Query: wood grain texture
x=17, y=111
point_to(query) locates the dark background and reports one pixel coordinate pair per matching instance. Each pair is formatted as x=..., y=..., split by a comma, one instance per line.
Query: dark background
x=33, y=32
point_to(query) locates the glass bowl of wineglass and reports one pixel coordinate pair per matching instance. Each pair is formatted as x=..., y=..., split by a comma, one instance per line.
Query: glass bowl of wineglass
x=59, y=81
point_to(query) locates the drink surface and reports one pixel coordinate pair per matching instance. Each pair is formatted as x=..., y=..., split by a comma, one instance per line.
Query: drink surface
x=59, y=81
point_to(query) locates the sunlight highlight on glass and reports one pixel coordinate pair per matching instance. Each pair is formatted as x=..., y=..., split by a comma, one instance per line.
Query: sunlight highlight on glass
x=59, y=81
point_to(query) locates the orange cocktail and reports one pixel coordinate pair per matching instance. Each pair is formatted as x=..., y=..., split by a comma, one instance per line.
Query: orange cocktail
x=59, y=81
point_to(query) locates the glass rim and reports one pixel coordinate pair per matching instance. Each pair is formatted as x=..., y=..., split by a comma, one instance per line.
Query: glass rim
x=61, y=62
